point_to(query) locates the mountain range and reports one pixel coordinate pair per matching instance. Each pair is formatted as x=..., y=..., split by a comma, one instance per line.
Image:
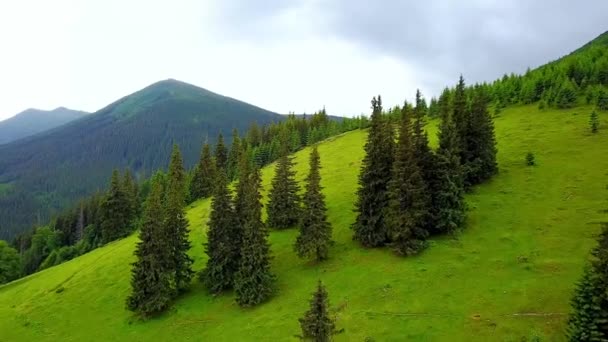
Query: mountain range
x=46, y=172
x=32, y=121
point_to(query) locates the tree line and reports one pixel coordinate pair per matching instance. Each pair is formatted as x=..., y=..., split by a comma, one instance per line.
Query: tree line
x=116, y=212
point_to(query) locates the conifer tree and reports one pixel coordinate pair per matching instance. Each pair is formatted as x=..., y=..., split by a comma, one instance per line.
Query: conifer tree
x=132, y=193
x=176, y=225
x=450, y=184
x=426, y=160
x=594, y=122
x=115, y=211
x=370, y=228
x=408, y=199
x=221, y=153
x=589, y=319
x=234, y=155
x=202, y=182
x=222, y=264
x=284, y=201
x=460, y=117
x=253, y=282
x=317, y=325
x=315, y=231
x=480, y=142
x=151, y=274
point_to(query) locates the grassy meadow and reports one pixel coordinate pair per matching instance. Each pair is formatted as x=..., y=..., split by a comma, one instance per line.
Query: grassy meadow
x=507, y=276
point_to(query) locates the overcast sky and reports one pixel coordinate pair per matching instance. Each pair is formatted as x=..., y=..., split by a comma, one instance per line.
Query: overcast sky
x=284, y=56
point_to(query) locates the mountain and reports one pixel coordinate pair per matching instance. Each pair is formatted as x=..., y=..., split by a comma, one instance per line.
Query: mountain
x=32, y=121
x=508, y=276
x=43, y=173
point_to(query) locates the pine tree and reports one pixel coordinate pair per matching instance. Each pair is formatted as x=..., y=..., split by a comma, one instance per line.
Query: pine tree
x=589, y=319
x=115, y=211
x=315, y=230
x=253, y=282
x=202, y=182
x=408, y=199
x=370, y=228
x=426, y=160
x=450, y=184
x=176, y=225
x=594, y=122
x=284, y=201
x=151, y=277
x=460, y=117
x=317, y=325
x=220, y=248
x=132, y=193
x=221, y=153
x=234, y=155
x=481, y=150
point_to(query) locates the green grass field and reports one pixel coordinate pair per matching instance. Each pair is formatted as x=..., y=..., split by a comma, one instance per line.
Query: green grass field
x=507, y=277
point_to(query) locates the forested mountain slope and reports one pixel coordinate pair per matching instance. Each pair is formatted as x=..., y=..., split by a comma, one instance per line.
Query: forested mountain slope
x=32, y=121
x=48, y=171
x=508, y=276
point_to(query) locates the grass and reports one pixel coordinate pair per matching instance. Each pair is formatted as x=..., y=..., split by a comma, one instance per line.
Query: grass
x=528, y=234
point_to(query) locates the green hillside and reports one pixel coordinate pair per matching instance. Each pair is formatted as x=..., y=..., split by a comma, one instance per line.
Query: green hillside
x=50, y=171
x=508, y=276
x=32, y=121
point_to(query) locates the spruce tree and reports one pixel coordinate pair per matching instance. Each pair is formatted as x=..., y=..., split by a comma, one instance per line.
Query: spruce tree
x=450, y=184
x=408, y=199
x=221, y=153
x=284, y=201
x=151, y=274
x=317, y=325
x=426, y=160
x=460, y=117
x=202, y=182
x=132, y=193
x=115, y=211
x=589, y=319
x=176, y=225
x=218, y=275
x=594, y=122
x=370, y=228
x=253, y=282
x=315, y=231
x=480, y=155
x=233, y=156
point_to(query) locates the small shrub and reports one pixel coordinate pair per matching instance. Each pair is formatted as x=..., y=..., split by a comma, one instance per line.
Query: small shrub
x=594, y=122
x=530, y=159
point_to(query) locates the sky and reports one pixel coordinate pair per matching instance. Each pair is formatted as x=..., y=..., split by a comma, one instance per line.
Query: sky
x=285, y=56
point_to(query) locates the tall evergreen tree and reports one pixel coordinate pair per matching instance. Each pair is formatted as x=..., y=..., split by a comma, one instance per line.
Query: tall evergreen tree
x=234, y=155
x=317, y=325
x=480, y=142
x=132, y=193
x=315, y=231
x=460, y=117
x=594, y=122
x=202, y=182
x=284, y=201
x=176, y=225
x=426, y=160
x=151, y=274
x=253, y=281
x=115, y=211
x=408, y=199
x=589, y=319
x=370, y=228
x=221, y=153
x=220, y=247
x=450, y=184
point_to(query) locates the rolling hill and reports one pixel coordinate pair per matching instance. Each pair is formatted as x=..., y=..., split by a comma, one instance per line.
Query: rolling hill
x=32, y=121
x=48, y=171
x=508, y=276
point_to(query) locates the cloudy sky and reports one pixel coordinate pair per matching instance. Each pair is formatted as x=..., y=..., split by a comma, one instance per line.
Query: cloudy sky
x=296, y=55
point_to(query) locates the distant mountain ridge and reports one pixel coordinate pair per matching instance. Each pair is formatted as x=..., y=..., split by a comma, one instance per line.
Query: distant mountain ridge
x=48, y=171
x=32, y=121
